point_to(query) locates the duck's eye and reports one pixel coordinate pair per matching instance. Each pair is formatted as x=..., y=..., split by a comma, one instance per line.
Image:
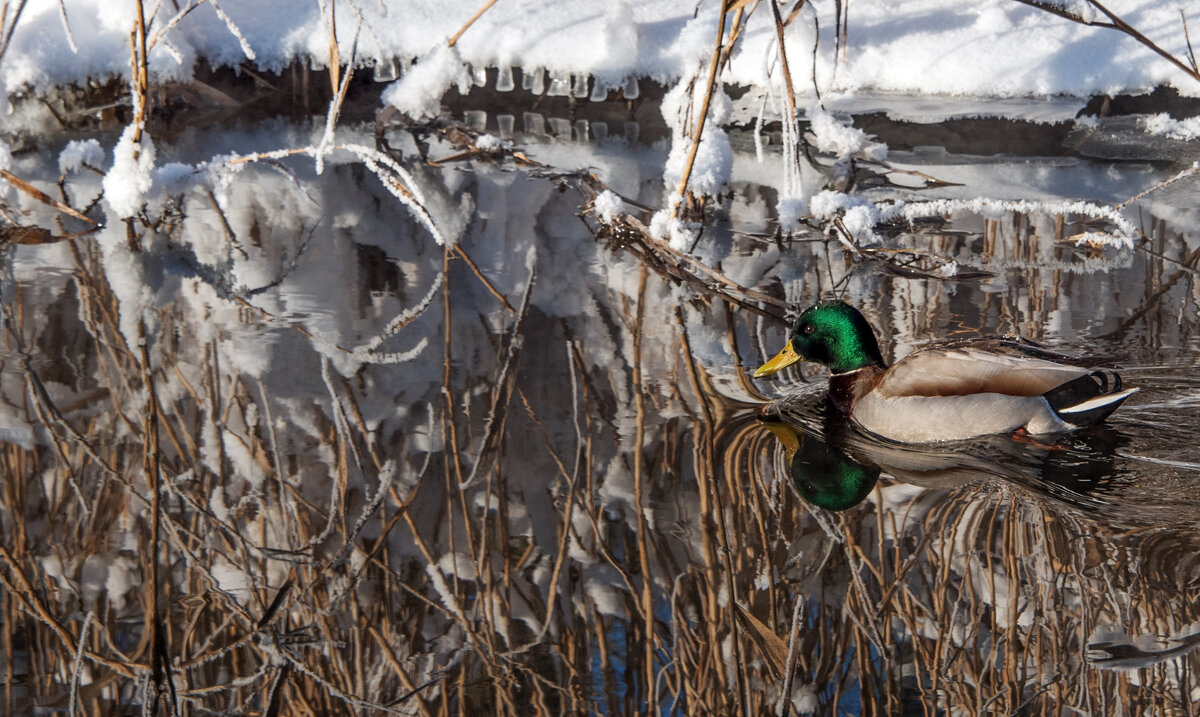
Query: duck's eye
x=807, y=329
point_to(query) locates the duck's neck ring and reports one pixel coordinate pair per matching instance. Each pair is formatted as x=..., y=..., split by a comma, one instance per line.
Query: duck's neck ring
x=847, y=387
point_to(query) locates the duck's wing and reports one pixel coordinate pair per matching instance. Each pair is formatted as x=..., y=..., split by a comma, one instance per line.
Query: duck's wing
x=1012, y=345
x=983, y=366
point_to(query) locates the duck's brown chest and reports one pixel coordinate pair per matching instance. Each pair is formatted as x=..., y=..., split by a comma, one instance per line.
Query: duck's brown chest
x=846, y=388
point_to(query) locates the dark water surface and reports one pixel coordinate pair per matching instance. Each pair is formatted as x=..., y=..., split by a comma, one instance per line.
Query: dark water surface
x=528, y=474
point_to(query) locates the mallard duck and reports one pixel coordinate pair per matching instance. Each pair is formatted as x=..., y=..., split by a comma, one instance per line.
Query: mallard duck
x=952, y=391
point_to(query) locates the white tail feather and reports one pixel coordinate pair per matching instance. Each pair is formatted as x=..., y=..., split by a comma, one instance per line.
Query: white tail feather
x=1098, y=401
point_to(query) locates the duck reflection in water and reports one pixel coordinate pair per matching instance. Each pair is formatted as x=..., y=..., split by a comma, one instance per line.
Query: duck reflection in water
x=834, y=466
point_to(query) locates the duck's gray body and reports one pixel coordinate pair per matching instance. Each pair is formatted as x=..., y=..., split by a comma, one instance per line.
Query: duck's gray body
x=973, y=389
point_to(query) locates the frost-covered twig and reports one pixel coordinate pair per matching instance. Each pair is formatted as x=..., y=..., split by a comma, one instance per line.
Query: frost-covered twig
x=233, y=30
x=62, y=13
x=77, y=669
x=1057, y=7
x=329, y=687
x=347, y=445
x=387, y=475
x=1166, y=182
x=369, y=352
x=335, y=104
x=10, y=24
x=860, y=218
x=406, y=190
x=173, y=22
x=396, y=179
x=793, y=653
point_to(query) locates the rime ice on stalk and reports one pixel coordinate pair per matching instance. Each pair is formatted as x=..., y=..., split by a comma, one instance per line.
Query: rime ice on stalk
x=831, y=134
x=858, y=215
x=129, y=179
x=175, y=177
x=678, y=233
x=607, y=206
x=710, y=169
x=491, y=143
x=419, y=92
x=714, y=158
x=80, y=152
x=1081, y=9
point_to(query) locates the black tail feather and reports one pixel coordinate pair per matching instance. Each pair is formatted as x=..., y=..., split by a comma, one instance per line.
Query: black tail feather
x=1081, y=401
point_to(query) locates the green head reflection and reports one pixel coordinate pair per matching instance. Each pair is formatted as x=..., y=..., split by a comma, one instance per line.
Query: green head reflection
x=822, y=475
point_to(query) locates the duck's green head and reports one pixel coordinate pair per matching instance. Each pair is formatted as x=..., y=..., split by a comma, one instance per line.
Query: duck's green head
x=823, y=475
x=832, y=333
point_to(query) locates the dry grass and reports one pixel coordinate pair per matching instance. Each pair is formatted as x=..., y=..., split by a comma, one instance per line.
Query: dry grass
x=299, y=565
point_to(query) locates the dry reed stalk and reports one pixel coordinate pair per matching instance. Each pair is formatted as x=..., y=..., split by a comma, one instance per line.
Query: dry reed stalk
x=139, y=63
x=787, y=72
x=44, y=198
x=23, y=590
x=842, y=28
x=710, y=87
x=740, y=16
x=462, y=253
x=639, y=493
x=478, y=13
x=334, y=56
x=159, y=651
x=709, y=508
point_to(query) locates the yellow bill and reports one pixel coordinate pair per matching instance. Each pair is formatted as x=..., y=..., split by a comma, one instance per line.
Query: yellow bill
x=785, y=433
x=783, y=359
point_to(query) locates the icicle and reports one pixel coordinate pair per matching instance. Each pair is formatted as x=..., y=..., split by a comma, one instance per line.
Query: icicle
x=504, y=79
x=579, y=88
x=386, y=71
x=534, y=81
x=560, y=84
x=631, y=91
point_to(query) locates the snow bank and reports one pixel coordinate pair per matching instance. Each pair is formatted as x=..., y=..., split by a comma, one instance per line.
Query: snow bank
x=991, y=48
